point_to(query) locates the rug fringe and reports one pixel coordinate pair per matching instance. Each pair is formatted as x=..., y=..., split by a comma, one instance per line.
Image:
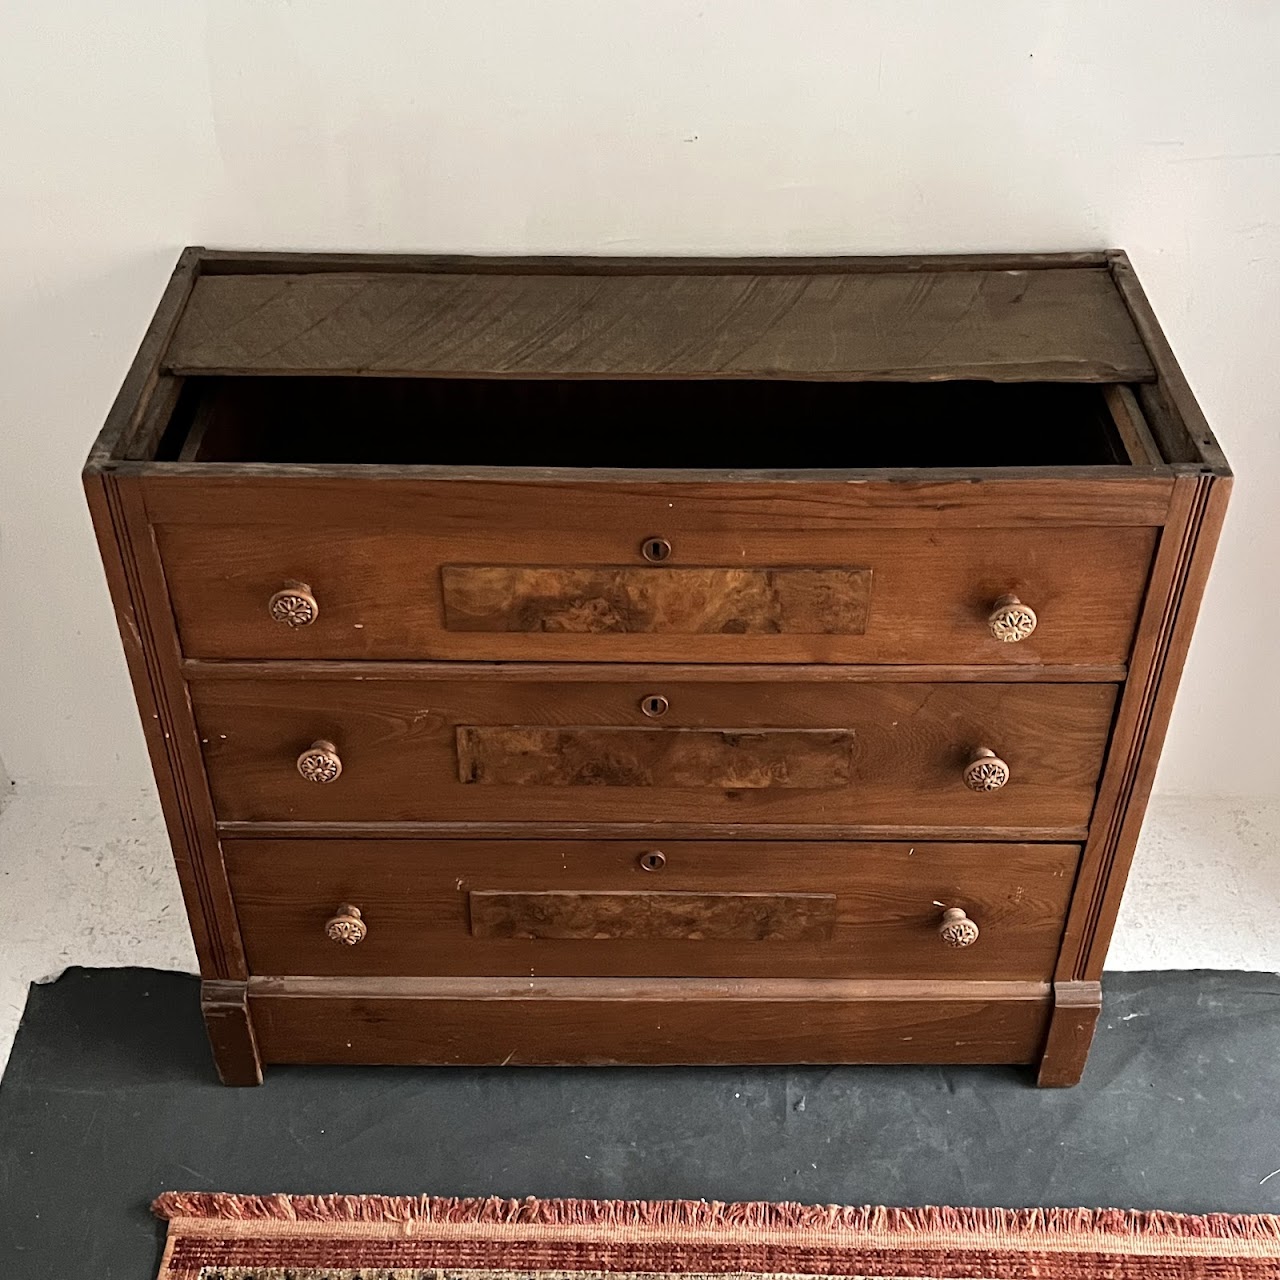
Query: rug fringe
x=711, y=1214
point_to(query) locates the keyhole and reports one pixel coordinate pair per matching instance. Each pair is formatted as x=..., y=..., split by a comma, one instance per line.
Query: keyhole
x=654, y=860
x=654, y=705
x=655, y=549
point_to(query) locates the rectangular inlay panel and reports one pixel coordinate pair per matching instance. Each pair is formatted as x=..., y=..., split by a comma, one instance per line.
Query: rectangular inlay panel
x=725, y=917
x=683, y=601
x=726, y=759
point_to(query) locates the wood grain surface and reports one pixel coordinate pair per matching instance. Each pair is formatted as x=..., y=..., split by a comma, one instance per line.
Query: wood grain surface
x=239, y=262
x=617, y=600
x=138, y=391
x=673, y=1021
x=867, y=673
x=419, y=898
x=1003, y=325
x=398, y=744
x=441, y=499
x=634, y=756
x=1076, y=1006
x=1176, y=418
x=1177, y=587
x=229, y=1024
x=596, y=915
x=150, y=642
x=381, y=594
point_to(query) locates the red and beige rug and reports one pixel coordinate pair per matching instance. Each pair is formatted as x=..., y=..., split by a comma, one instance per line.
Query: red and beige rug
x=224, y=1237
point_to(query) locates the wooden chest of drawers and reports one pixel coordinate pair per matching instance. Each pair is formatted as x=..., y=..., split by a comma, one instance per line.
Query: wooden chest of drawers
x=672, y=661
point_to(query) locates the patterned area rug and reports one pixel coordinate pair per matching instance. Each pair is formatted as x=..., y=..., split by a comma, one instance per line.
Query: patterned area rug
x=222, y=1237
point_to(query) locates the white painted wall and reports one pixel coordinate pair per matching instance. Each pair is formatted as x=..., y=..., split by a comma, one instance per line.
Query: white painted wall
x=634, y=126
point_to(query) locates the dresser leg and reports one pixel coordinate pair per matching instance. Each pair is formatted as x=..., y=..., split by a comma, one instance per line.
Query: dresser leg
x=1076, y=1006
x=225, y=1006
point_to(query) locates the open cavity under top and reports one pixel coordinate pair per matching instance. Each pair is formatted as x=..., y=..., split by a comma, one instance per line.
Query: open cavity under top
x=717, y=424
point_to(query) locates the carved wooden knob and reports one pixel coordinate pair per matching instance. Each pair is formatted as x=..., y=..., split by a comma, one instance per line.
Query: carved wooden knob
x=985, y=771
x=956, y=929
x=348, y=926
x=320, y=762
x=294, y=605
x=1010, y=620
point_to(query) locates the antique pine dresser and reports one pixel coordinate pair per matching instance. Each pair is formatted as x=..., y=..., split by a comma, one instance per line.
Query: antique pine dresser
x=654, y=660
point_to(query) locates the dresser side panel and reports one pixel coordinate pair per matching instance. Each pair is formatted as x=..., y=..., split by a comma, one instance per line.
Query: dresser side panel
x=1178, y=580
x=146, y=626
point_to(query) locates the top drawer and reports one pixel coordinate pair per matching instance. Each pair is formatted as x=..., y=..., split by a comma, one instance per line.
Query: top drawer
x=661, y=592
x=672, y=594
x=500, y=520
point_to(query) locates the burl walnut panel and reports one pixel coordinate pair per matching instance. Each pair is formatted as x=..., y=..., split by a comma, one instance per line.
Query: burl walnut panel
x=620, y=600
x=726, y=760
x=660, y=917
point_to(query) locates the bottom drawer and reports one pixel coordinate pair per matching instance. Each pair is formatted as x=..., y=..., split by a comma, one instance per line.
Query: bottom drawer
x=583, y=908
x=655, y=1021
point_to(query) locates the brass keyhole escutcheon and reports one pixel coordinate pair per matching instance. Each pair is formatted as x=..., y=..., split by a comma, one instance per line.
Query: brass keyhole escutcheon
x=654, y=705
x=655, y=550
x=652, y=860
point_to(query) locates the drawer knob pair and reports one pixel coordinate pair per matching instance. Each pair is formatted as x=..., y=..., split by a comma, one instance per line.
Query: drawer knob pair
x=347, y=926
x=1010, y=620
x=985, y=771
x=294, y=605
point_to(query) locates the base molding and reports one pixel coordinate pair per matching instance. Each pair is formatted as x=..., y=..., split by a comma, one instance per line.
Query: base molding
x=1076, y=1006
x=663, y=1021
x=227, y=1020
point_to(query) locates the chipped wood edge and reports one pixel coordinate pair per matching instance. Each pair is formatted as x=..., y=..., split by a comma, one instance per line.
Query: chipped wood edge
x=1172, y=393
x=229, y=1025
x=125, y=417
x=249, y=262
x=1076, y=1006
x=343, y=669
x=649, y=831
x=1131, y=425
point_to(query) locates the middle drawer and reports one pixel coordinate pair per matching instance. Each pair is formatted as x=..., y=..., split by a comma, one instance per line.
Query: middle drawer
x=521, y=747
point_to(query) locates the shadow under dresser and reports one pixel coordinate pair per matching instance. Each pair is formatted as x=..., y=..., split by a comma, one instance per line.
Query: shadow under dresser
x=654, y=660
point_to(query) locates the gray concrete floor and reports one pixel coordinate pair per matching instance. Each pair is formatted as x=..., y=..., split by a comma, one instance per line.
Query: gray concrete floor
x=110, y=1098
